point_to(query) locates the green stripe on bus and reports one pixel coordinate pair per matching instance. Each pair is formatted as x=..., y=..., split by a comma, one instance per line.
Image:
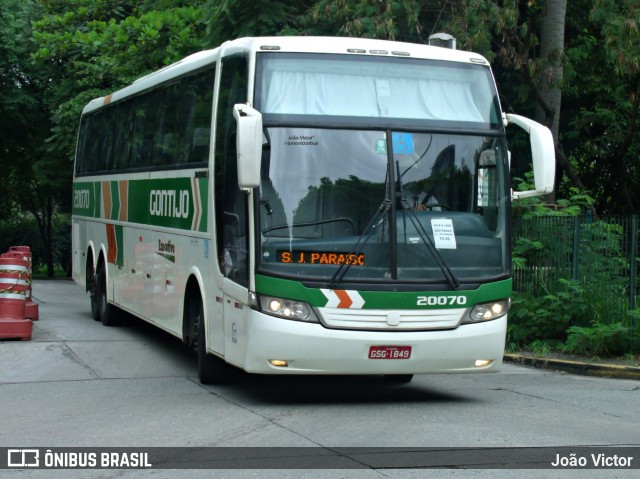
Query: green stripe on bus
x=120, y=245
x=115, y=201
x=97, y=195
x=138, y=201
x=84, y=199
x=295, y=290
x=168, y=202
x=203, y=184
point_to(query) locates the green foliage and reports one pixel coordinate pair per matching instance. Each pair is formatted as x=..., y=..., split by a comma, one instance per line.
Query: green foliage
x=556, y=299
x=102, y=46
x=22, y=230
x=544, y=347
x=600, y=116
x=621, y=29
x=574, y=204
x=598, y=340
x=388, y=19
x=546, y=317
x=144, y=39
x=234, y=19
x=522, y=248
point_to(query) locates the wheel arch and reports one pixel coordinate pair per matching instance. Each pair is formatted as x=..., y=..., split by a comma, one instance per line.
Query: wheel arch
x=91, y=265
x=97, y=255
x=193, y=286
x=101, y=256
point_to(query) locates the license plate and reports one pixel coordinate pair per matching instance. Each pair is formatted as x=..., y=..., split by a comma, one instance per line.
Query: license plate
x=389, y=352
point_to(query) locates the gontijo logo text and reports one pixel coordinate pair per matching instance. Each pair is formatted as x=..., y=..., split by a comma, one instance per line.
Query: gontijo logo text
x=171, y=203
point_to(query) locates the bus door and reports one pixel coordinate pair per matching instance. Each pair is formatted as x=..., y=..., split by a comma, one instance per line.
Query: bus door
x=231, y=209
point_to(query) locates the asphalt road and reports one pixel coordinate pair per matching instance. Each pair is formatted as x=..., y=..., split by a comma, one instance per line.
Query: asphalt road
x=80, y=384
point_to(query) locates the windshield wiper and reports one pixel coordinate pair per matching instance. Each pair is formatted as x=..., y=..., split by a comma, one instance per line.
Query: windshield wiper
x=415, y=221
x=362, y=241
x=444, y=267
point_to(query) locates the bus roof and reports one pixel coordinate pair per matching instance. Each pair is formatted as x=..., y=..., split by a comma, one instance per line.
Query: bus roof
x=309, y=44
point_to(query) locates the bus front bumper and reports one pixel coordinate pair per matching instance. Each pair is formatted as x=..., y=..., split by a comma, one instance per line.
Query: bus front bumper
x=308, y=348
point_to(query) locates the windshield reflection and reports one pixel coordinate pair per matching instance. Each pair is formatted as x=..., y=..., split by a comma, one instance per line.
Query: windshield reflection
x=322, y=208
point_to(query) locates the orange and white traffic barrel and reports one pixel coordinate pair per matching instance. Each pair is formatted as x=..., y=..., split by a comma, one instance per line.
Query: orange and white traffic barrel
x=32, y=310
x=13, y=288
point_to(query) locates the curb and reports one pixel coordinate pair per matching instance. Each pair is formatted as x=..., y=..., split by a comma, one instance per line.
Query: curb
x=576, y=367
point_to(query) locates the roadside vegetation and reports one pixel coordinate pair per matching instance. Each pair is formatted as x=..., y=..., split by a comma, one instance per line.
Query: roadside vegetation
x=573, y=291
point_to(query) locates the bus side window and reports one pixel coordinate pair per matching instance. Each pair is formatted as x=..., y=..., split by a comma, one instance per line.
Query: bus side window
x=230, y=201
x=200, y=125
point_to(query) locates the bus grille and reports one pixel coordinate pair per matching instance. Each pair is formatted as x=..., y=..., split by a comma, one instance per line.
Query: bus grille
x=391, y=320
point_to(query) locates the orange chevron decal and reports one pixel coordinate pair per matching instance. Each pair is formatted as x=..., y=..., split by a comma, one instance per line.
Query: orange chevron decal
x=123, y=192
x=195, y=191
x=106, y=199
x=345, y=299
x=112, y=245
x=341, y=298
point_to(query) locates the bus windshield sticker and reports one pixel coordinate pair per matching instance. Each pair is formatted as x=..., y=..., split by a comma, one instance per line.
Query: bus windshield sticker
x=443, y=235
x=319, y=257
x=403, y=143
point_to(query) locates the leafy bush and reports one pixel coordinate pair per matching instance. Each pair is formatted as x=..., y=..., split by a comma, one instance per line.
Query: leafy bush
x=545, y=317
x=571, y=279
x=597, y=340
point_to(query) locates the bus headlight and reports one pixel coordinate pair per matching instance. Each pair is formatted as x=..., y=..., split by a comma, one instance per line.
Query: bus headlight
x=488, y=311
x=287, y=309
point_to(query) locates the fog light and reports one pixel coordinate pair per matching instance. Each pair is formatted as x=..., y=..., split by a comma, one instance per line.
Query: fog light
x=280, y=363
x=481, y=363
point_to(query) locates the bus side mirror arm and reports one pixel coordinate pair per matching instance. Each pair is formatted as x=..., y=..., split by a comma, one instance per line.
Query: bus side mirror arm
x=543, y=154
x=248, y=145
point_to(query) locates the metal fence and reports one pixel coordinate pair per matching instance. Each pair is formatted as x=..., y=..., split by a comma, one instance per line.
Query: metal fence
x=598, y=256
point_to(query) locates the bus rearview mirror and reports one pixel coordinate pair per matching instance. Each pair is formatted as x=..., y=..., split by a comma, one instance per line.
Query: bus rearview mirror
x=248, y=145
x=542, y=152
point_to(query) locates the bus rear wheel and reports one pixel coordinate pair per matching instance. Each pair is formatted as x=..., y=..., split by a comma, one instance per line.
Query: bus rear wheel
x=91, y=279
x=211, y=369
x=106, y=312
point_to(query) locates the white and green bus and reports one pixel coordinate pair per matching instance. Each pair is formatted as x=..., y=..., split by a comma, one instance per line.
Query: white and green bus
x=301, y=205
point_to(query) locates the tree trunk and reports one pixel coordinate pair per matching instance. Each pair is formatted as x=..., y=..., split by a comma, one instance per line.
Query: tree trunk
x=552, y=54
x=48, y=240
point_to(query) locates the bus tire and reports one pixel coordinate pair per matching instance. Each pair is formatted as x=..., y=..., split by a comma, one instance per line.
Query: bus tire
x=106, y=312
x=211, y=369
x=91, y=287
x=398, y=378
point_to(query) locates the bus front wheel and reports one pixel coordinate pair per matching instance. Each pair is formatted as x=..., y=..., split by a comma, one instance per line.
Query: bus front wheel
x=211, y=369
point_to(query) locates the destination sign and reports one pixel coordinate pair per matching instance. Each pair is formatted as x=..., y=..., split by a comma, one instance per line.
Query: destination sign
x=319, y=257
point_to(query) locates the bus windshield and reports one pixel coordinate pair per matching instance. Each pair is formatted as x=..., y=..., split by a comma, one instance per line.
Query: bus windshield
x=380, y=168
x=375, y=87
x=380, y=205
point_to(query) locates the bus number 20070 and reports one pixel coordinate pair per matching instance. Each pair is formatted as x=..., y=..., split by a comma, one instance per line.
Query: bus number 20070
x=442, y=300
